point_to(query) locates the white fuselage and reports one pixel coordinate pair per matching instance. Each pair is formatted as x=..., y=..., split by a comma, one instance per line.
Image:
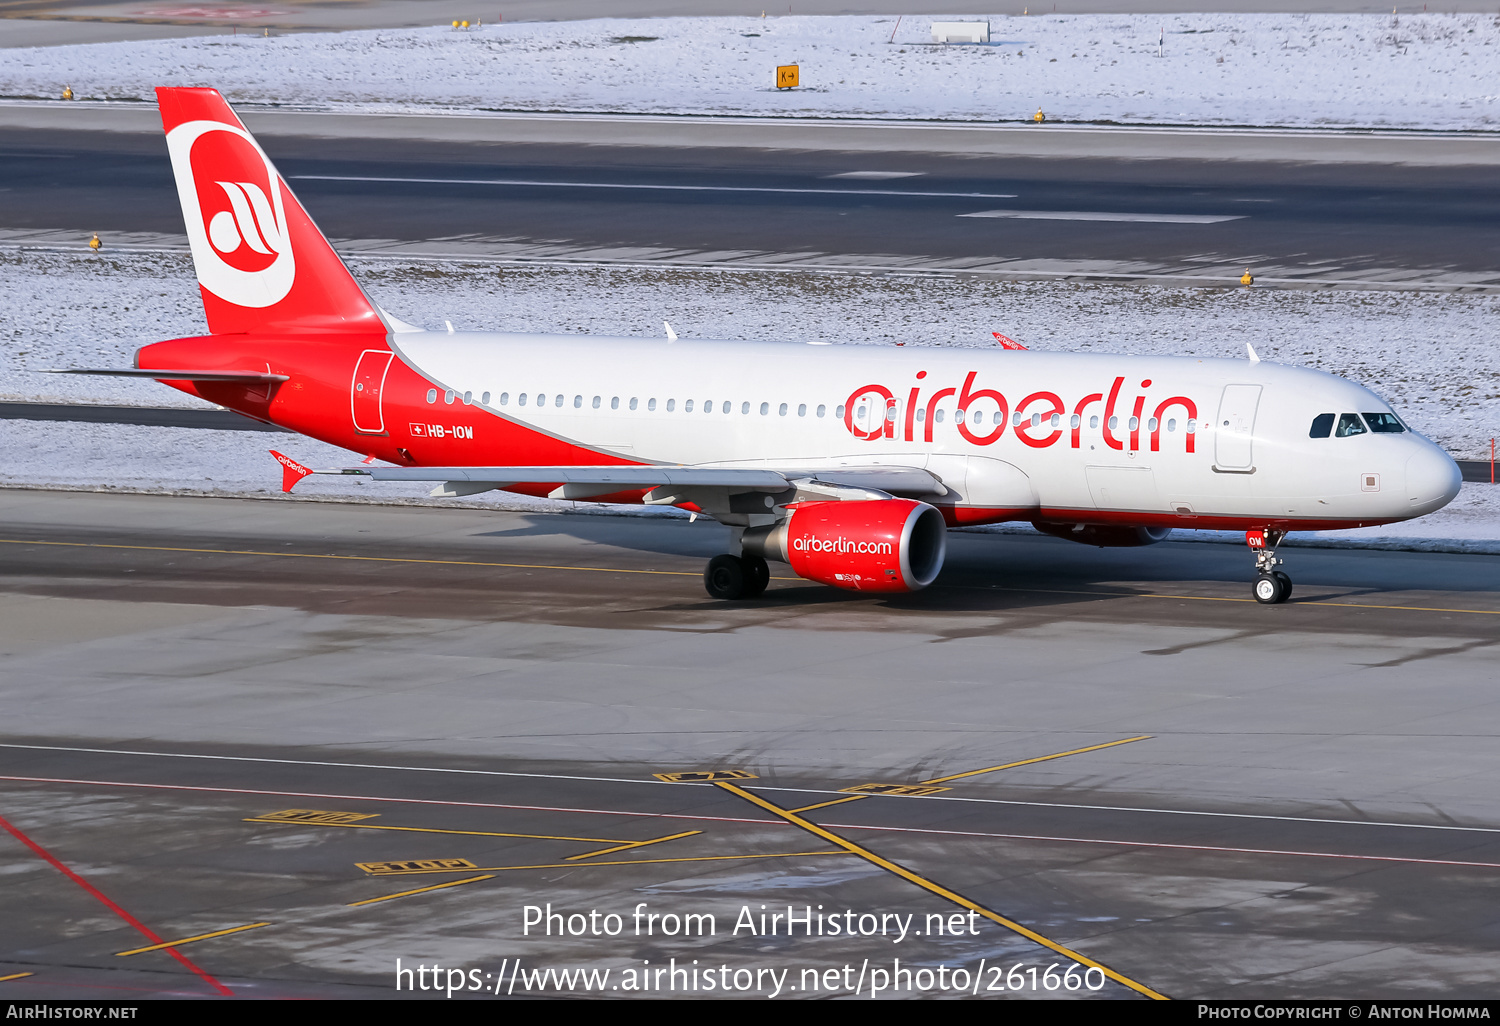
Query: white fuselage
x=1048, y=436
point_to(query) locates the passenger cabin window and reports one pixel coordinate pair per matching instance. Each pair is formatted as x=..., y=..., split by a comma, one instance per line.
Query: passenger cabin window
x=1384, y=422
x=1349, y=424
x=432, y=395
x=1322, y=426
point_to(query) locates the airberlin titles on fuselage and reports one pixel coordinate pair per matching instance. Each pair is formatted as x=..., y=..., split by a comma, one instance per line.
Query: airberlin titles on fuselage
x=1039, y=411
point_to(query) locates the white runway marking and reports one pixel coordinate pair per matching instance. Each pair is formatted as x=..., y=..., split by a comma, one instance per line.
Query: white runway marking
x=1112, y=841
x=1105, y=215
x=658, y=783
x=878, y=176
x=659, y=188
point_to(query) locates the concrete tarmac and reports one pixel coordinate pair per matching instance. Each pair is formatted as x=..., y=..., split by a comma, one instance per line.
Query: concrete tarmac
x=1207, y=797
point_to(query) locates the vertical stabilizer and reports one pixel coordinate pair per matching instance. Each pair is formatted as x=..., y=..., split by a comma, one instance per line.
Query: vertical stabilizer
x=262, y=264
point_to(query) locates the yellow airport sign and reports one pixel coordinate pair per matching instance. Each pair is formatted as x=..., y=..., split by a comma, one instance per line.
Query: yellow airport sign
x=414, y=866
x=316, y=817
x=786, y=76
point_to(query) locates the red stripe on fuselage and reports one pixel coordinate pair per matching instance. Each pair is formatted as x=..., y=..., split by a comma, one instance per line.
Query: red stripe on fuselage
x=316, y=402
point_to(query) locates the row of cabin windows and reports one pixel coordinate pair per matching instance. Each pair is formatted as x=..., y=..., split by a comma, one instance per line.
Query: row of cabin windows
x=559, y=401
x=1349, y=424
x=861, y=413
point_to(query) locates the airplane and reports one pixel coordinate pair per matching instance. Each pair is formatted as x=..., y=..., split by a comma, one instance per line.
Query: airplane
x=847, y=462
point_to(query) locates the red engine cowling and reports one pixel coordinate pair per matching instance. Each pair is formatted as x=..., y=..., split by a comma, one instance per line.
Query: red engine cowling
x=863, y=545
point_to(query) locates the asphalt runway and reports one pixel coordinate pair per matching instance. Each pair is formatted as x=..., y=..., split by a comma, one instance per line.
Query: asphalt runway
x=1329, y=220
x=297, y=741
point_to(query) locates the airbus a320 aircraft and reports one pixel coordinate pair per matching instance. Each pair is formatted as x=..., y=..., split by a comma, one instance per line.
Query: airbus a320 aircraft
x=847, y=462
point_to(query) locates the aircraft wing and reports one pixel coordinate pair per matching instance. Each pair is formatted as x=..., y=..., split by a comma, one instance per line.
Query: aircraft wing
x=626, y=477
x=895, y=480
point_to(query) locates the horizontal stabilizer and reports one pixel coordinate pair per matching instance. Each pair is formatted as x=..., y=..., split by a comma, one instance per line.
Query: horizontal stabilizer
x=258, y=377
x=291, y=470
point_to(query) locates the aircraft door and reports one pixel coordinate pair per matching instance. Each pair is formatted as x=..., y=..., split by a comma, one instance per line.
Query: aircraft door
x=1234, y=430
x=366, y=389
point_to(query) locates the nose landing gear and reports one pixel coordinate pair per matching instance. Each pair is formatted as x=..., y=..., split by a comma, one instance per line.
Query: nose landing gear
x=736, y=577
x=1271, y=585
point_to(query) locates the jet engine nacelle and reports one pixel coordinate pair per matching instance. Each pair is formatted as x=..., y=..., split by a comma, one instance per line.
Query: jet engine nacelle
x=863, y=545
x=1106, y=536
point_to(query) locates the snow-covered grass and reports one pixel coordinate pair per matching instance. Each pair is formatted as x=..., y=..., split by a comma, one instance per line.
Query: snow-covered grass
x=1432, y=354
x=1428, y=71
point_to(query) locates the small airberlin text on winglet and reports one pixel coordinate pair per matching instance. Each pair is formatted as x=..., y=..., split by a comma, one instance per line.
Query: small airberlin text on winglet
x=291, y=470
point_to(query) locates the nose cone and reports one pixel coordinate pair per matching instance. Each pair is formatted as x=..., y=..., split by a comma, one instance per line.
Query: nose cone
x=1432, y=480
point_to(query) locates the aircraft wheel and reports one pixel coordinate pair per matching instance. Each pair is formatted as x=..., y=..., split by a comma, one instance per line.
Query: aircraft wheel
x=1286, y=584
x=725, y=577
x=757, y=576
x=1269, y=590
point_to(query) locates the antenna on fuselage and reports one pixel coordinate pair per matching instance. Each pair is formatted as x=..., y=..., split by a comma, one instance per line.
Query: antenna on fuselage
x=671, y=335
x=1251, y=350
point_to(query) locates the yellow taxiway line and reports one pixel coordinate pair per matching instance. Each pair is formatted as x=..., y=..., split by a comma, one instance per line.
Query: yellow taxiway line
x=435, y=830
x=189, y=940
x=627, y=845
x=632, y=862
x=936, y=888
x=420, y=890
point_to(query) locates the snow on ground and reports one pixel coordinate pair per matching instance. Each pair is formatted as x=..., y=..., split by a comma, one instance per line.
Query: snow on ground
x=1431, y=71
x=1432, y=354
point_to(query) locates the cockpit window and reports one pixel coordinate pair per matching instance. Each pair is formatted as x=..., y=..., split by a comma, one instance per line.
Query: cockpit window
x=1322, y=426
x=1349, y=424
x=1384, y=422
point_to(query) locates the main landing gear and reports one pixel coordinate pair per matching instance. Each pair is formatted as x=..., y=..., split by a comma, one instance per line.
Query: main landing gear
x=1271, y=585
x=736, y=577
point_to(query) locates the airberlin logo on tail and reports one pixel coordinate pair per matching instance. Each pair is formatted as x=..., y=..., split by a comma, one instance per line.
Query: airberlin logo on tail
x=842, y=545
x=248, y=222
x=232, y=204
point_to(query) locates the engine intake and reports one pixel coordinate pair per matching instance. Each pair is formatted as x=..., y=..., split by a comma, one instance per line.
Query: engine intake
x=864, y=545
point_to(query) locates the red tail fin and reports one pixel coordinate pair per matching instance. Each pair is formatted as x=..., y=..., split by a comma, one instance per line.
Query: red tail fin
x=262, y=264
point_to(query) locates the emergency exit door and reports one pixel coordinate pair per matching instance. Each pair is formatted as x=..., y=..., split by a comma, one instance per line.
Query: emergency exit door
x=366, y=389
x=1234, y=431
